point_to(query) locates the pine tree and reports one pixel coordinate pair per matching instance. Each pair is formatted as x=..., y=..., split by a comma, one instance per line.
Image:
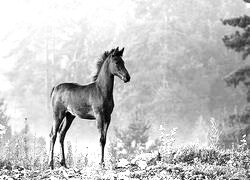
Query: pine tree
x=39, y=153
x=239, y=42
x=6, y=129
x=25, y=139
x=16, y=158
x=5, y=132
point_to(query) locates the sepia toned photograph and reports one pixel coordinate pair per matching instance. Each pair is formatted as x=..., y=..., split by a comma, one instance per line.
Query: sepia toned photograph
x=125, y=90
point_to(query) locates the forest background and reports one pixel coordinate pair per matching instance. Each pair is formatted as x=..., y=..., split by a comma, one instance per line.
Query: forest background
x=173, y=51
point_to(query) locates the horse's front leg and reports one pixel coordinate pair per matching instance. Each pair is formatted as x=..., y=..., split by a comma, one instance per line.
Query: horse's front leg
x=102, y=125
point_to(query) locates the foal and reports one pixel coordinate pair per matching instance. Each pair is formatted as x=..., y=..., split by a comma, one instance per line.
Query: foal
x=92, y=101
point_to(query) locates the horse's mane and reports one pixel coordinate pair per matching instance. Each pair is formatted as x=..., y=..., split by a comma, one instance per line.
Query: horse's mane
x=100, y=62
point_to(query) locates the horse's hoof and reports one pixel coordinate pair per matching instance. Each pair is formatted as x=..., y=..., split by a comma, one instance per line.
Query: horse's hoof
x=63, y=165
x=102, y=165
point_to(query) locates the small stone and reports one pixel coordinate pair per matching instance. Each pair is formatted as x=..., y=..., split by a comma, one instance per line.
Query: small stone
x=142, y=164
x=124, y=175
x=8, y=167
x=122, y=163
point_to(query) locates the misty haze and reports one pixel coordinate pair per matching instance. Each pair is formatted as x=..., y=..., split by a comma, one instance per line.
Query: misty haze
x=181, y=89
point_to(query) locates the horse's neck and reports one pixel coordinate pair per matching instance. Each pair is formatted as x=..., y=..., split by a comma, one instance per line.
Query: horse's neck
x=105, y=80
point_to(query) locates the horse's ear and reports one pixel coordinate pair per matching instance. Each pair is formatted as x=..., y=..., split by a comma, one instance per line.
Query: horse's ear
x=113, y=51
x=121, y=52
x=116, y=52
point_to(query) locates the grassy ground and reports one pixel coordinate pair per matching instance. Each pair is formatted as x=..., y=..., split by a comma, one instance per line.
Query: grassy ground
x=190, y=162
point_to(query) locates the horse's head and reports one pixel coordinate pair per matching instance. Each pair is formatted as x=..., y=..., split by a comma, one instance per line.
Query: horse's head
x=116, y=65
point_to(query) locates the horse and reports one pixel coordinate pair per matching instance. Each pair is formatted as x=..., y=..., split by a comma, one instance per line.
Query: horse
x=93, y=101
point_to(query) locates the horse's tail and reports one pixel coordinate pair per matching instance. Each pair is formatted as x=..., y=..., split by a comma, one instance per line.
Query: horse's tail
x=52, y=91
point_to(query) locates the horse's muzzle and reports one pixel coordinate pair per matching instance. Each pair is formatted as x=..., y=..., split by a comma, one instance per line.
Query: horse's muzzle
x=126, y=78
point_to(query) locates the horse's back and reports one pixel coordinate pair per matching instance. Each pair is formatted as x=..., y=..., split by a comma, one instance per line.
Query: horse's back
x=69, y=96
x=69, y=87
x=66, y=86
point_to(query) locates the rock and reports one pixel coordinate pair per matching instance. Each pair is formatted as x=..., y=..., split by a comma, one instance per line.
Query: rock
x=122, y=163
x=16, y=176
x=8, y=167
x=139, y=174
x=239, y=176
x=124, y=175
x=10, y=178
x=142, y=164
x=15, y=171
x=19, y=168
x=149, y=158
x=53, y=178
x=144, y=156
x=68, y=173
x=77, y=170
x=4, y=177
x=110, y=175
x=5, y=171
x=154, y=160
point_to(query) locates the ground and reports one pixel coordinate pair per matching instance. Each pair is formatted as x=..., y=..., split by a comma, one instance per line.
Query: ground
x=186, y=163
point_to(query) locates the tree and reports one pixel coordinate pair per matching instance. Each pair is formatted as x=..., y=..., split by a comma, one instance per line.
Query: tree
x=39, y=153
x=5, y=133
x=238, y=124
x=25, y=141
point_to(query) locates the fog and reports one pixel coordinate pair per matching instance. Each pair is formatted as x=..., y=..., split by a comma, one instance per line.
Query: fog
x=173, y=52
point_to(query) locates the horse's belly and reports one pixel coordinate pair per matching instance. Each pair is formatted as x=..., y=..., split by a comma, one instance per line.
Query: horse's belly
x=83, y=113
x=86, y=116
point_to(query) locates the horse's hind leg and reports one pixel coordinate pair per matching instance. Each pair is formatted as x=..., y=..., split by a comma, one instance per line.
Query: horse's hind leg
x=62, y=132
x=58, y=117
